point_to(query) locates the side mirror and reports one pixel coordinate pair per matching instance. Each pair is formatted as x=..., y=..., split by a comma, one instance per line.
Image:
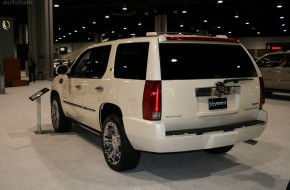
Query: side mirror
x=61, y=69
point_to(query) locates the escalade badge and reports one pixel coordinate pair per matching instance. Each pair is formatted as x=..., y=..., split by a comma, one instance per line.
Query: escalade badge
x=219, y=88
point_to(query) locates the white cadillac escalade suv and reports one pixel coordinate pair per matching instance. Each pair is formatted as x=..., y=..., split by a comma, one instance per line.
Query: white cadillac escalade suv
x=161, y=93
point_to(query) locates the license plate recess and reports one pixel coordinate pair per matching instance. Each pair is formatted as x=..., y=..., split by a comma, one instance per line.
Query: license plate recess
x=217, y=103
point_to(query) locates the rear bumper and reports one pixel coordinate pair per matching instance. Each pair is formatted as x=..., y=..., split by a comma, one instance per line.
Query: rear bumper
x=151, y=135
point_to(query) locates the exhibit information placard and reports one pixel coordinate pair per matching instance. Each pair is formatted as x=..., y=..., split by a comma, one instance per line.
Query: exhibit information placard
x=38, y=94
x=37, y=97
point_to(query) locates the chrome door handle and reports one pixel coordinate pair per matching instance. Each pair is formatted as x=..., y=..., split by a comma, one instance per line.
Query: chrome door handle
x=78, y=87
x=99, y=89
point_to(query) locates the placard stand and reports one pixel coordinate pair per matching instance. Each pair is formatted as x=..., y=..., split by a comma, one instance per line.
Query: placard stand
x=38, y=101
x=37, y=97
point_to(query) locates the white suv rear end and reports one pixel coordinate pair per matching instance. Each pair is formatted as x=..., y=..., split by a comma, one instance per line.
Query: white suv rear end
x=164, y=94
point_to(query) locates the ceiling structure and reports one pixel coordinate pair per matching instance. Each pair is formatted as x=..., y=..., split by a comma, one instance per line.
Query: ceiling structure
x=82, y=20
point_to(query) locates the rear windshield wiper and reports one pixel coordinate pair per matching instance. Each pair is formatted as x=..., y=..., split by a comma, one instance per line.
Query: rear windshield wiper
x=236, y=80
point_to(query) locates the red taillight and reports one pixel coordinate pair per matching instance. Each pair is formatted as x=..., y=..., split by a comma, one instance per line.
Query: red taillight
x=262, y=93
x=152, y=100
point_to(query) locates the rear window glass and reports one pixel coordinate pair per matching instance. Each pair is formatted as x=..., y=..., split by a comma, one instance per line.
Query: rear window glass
x=181, y=61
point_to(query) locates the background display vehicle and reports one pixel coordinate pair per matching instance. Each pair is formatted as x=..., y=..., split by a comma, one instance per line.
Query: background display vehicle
x=275, y=69
x=161, y=93
x=58, y=62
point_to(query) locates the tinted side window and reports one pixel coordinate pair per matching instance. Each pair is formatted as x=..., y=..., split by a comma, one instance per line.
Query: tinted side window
x=99, y=61
x=79, y=68
x=269, y=61
x=92, y=63
x=204, y=61
x=131, y=61
x=284, y=60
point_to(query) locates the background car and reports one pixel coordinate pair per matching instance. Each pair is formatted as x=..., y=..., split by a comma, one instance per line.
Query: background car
x=275, y=69
x=58, y=62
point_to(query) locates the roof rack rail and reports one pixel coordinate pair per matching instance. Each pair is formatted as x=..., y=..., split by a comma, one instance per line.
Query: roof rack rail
x=152, y=34
x=169, y=33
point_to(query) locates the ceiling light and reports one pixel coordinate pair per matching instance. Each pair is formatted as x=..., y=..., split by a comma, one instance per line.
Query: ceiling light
x=56, y=40
x=125, y=28
x=282, y=17
x=56, y=4
x=284, y=30
x=69, y=33
x=181, y=25
x=258, y=33
x=64, y=36
x=60, y=38
x=184, y=12
x=83, y=27
x=283, y=24
x=94, y=22
x=230, y=32
x=219, y=27
x=279, y=6
x=133, y=34
x=204, y=20
x=139, y=23
x=124, y=8
x=247, y=23
x=220, y=1
x=107, y=16
x=236, y=15
x=75, y=30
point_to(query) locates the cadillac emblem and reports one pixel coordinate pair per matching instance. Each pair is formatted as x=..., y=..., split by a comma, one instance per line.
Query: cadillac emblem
x=219, y=88
x=6, y=24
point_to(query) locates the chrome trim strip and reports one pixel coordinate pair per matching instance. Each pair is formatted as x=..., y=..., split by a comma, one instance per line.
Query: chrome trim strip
x=79, y=106
x=212, y=91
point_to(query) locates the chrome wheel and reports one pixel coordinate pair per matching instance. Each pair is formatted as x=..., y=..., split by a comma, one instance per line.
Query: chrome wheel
x=55, y=114
x=59, y=121
x=118, y=151
x=112, y=143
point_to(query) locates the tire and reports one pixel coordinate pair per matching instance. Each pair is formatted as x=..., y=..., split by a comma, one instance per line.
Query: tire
x=59, y=121
x=219, y=150
x=118, y=152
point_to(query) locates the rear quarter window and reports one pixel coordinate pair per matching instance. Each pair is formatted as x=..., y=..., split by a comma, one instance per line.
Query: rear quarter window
x=182, y=61
x=131, y=61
